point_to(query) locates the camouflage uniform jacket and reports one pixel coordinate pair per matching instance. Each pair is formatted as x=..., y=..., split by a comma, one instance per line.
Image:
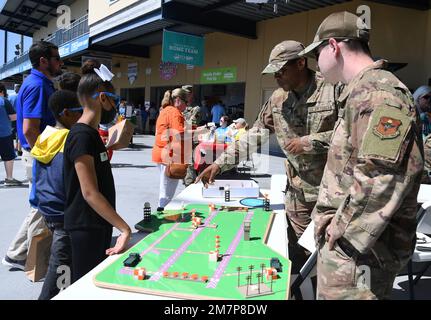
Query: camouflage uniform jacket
x=374, y=167
x=311, y=115
x=192, y=115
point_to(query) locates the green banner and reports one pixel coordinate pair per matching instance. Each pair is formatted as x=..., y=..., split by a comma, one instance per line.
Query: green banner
x=183, y=48
x=219, y=75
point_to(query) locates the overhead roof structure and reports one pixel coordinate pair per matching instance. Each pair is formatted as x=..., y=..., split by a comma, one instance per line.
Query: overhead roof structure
x=28, y=16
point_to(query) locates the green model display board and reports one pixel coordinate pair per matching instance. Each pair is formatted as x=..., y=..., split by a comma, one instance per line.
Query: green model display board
x=180, y=259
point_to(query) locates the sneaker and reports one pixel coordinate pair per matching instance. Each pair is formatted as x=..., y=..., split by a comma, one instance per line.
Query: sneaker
x=13, y=264
x=12, y=182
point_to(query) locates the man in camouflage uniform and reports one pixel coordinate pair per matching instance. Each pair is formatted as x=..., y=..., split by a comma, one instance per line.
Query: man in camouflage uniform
x=365, y=214
x=192, y=115
x=302, y=114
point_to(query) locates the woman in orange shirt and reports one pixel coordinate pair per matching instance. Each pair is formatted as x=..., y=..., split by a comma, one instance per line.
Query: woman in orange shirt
x=168, y=146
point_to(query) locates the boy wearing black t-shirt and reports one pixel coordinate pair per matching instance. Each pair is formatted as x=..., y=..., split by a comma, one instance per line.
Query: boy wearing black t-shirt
x=48, y=152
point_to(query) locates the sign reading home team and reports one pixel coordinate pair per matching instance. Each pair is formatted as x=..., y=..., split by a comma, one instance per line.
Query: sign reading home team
x=182, y=48
x=219, y=75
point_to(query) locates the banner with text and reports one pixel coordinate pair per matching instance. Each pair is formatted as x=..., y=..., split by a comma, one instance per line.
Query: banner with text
x=183, y=48
x=218, y=75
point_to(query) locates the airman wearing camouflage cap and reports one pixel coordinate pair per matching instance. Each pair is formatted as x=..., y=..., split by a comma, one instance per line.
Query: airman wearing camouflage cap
x=281, y=54
x=192, y=116
x=302, y=114
x=365, y=214
x=339, y=26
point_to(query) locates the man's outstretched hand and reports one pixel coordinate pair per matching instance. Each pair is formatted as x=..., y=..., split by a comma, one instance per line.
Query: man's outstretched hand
x=208, y=175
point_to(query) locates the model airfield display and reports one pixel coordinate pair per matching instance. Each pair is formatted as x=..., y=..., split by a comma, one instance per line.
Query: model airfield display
x=203, y=252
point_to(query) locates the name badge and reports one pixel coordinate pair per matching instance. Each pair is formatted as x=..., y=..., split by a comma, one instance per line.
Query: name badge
x=104, y=156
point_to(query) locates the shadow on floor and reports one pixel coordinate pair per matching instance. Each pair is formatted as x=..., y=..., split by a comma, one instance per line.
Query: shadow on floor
x=129, y=165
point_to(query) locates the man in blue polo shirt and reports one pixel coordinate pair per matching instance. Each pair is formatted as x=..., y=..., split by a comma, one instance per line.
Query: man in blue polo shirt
x=33, y=116
x=7, y=152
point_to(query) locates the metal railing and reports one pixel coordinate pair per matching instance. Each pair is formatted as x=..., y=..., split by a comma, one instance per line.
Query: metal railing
x=76, y=29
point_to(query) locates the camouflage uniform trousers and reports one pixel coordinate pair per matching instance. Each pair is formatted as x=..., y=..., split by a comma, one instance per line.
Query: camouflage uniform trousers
x=191, y=172
x=350, y=277
x=298, y=213
x=190, y=176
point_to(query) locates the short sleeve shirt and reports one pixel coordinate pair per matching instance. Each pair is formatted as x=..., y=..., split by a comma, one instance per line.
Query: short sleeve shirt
x=32, y=103
x=6, y=109
x=78, y=214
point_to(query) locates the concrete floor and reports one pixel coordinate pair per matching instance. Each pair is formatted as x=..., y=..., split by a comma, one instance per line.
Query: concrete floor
x=136, y=181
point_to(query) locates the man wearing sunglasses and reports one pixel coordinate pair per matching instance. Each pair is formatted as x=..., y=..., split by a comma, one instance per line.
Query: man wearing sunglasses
x=365, y=214
x=302, y=114
x=33, y=116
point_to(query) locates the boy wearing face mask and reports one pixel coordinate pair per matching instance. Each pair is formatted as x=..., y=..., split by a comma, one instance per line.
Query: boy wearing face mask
x=89, y=184
x=48, y=173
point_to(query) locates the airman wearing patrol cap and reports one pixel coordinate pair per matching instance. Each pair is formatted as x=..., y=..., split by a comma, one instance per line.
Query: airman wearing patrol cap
x=302, y=114
x=192, y=116
x=365, y=215
x=339, y=26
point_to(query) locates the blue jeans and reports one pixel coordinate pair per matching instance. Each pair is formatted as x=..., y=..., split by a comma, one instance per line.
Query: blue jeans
x=61, y=254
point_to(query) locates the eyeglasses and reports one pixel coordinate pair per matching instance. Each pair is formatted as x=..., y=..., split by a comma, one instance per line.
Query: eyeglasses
x=115, y=97
x=79, y=109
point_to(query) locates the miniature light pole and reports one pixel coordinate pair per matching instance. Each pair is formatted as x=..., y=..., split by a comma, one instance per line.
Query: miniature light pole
x=147, y=212
x=259, y=275
x=247, y=225
x=262, y=266
x=251, y=267
x=272, y=281
x=248, y=283
x=215, y=255
x=227, y=193
x=211, y=207
x=217, y=246
x=239, y=274
x=266, y=204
